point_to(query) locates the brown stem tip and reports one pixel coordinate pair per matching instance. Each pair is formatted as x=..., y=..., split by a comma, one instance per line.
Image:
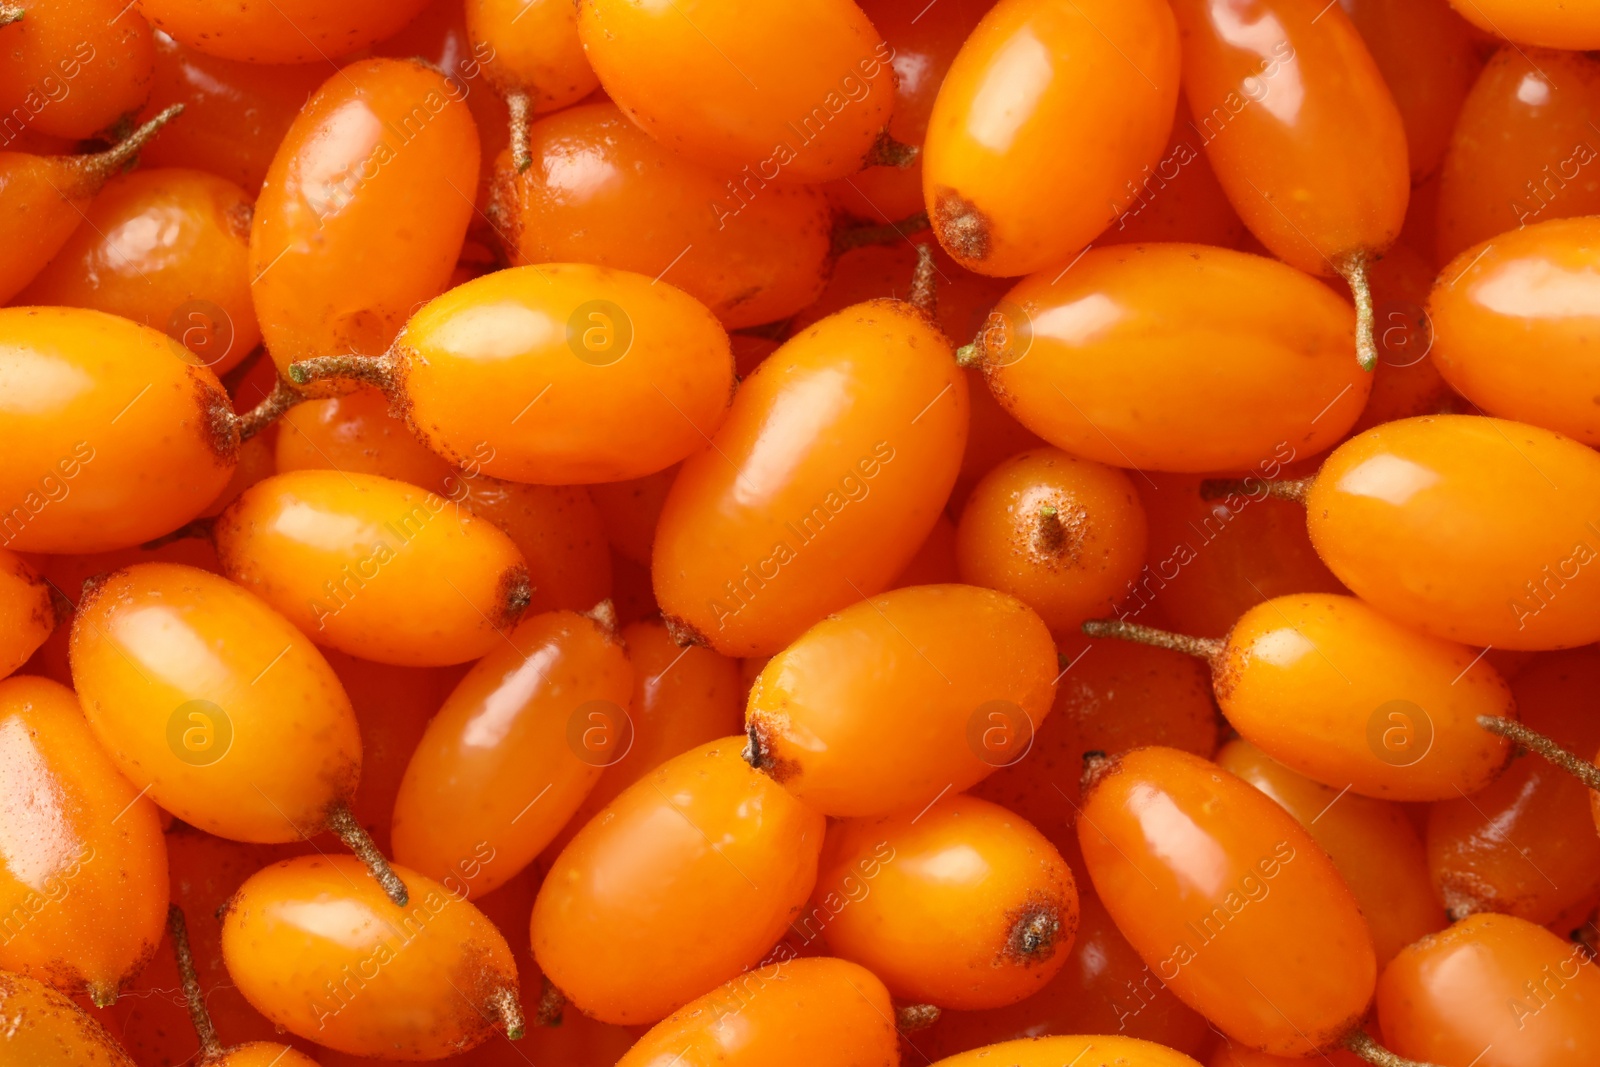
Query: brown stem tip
x=9, y=14
x=552, y=1005
x=505, y=1006
x=887, y=152
x=520, y=108
x=1353, y=268
x=1534, y=741
x=909, y=1018
x=1206, y=648
x=846, y=238
x=1049, y=534
x=377, y=371
x=924, y=294
x=210, y=1044
x=1362, y=1045
x=99, y=168
x=343, y=823
x=1291, y=489
x=604, y=615
x=199, y=530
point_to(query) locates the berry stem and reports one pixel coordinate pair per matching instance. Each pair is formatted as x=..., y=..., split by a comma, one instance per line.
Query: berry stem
x=969, y=355
x=343, y=823
x=604, y=615
x=210, y=1045
x=846, y=238
x=1362, y=1045
x=887, y=152
x=272, y=408
x=552, y=1004
x=10, y=14
x=1206, y=648
x=909, y=1018
x=1534, y=741
x=520, y=107
x=1353, y=268
x=1050, y=535
x=924, y=294
x=1292, y=489
x=374, y=370
x=508, y=1009
x=96, y=170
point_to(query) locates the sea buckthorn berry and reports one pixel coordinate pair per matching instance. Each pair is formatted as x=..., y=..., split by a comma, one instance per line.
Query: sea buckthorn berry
x=83, y=882
x=28, y=612
x=235, y=114
x=1213, y=560
x=1177, y=198
x=111, y=437
x=514, y=750
x=1224, y=895
x=72, y=68
x=1078, y=1051
x=1048, y=114
x=1531, y=291
x=600, y=190
x=316, y=946
x=1304, y=135
x=356, y=434
x=836, y=458
x=374, y=567
x=1372, y=842
x=1549, y=23
x=205, y=695
x=1232, y=1054
x=45, y=198
x=1520, y=148
x=1495, y=988
x=1379, y=709
x=682, y=698
x=167, y=248
x=1066, y=536
x=537, y=63
x=1526, y=845
x=798, y=93
x=45, y=1029
x=556, y=374
x=961, y=905
x=683, y=881
x=630, y=511
x=1428, y=83
x=1406, y=382
x=280, y=31
x=1387, y=510
x=1146, y=356
x=897, y=699
x=331, y=270
x=558, y=531
x=794, y=1013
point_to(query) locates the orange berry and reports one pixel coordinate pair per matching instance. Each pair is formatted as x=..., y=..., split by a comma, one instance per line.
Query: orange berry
x=1549, y=23
x=684, y=880
x=282, y=31
x=83, y=882
x=48, y=1030
x=630, y=511
x=356, y=434
x=532, y=47
x=1066, y=536
x=794, y=93
x=512, y=752
x=27, y=611
x=316, y=946
x=1078, y=1051
x=896, y=700
x=557, y=529
x=1178, y=198
x=1048, y=113
x=1153, y=356
x=72, y=68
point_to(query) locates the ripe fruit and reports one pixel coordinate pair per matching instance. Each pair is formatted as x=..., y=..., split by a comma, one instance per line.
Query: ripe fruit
x=48, y=1030
x=1046, y=118
x=536, y=62
x=27, y=611
x=282, y=31
x=686, y=879
x=1078, y=1051
x=1549, y=23
x=72, y=68
x=897, y=700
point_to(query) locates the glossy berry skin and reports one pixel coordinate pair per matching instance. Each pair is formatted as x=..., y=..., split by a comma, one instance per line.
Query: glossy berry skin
x=1495, y=987
x=234, y=114
x=1526, y=845
x=797, y=94
x=110, y=437
x=1178, y=198
x=1300, y=127
x=1233, y=1054
x=1182, y=852
x=374, y=567
x=1066, y=536
x=1146, y=356
x=535, y=50
x=316, y=946
x=73, y=67
x=48, y=1030
x=790, y=1014
x=1385, y=509
x=963, y=905
x=602, y=191
x=1048, y=111
x=279, y=31
x=331, y=271
x=1372, y=842
x=686, y=879
x=1079, y=1051
x=1380, y=708
x=27, y=611
x=618, y=377
x=167, y=248
x=355, y=433
x=84, y=875
x=630, y=511
x=558, y=531
x=1547, y=23
x=1521, y=148
x=514, y=750
x=173, y=663
x=835, y=460
x=1532, y=291
x=897, y=699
